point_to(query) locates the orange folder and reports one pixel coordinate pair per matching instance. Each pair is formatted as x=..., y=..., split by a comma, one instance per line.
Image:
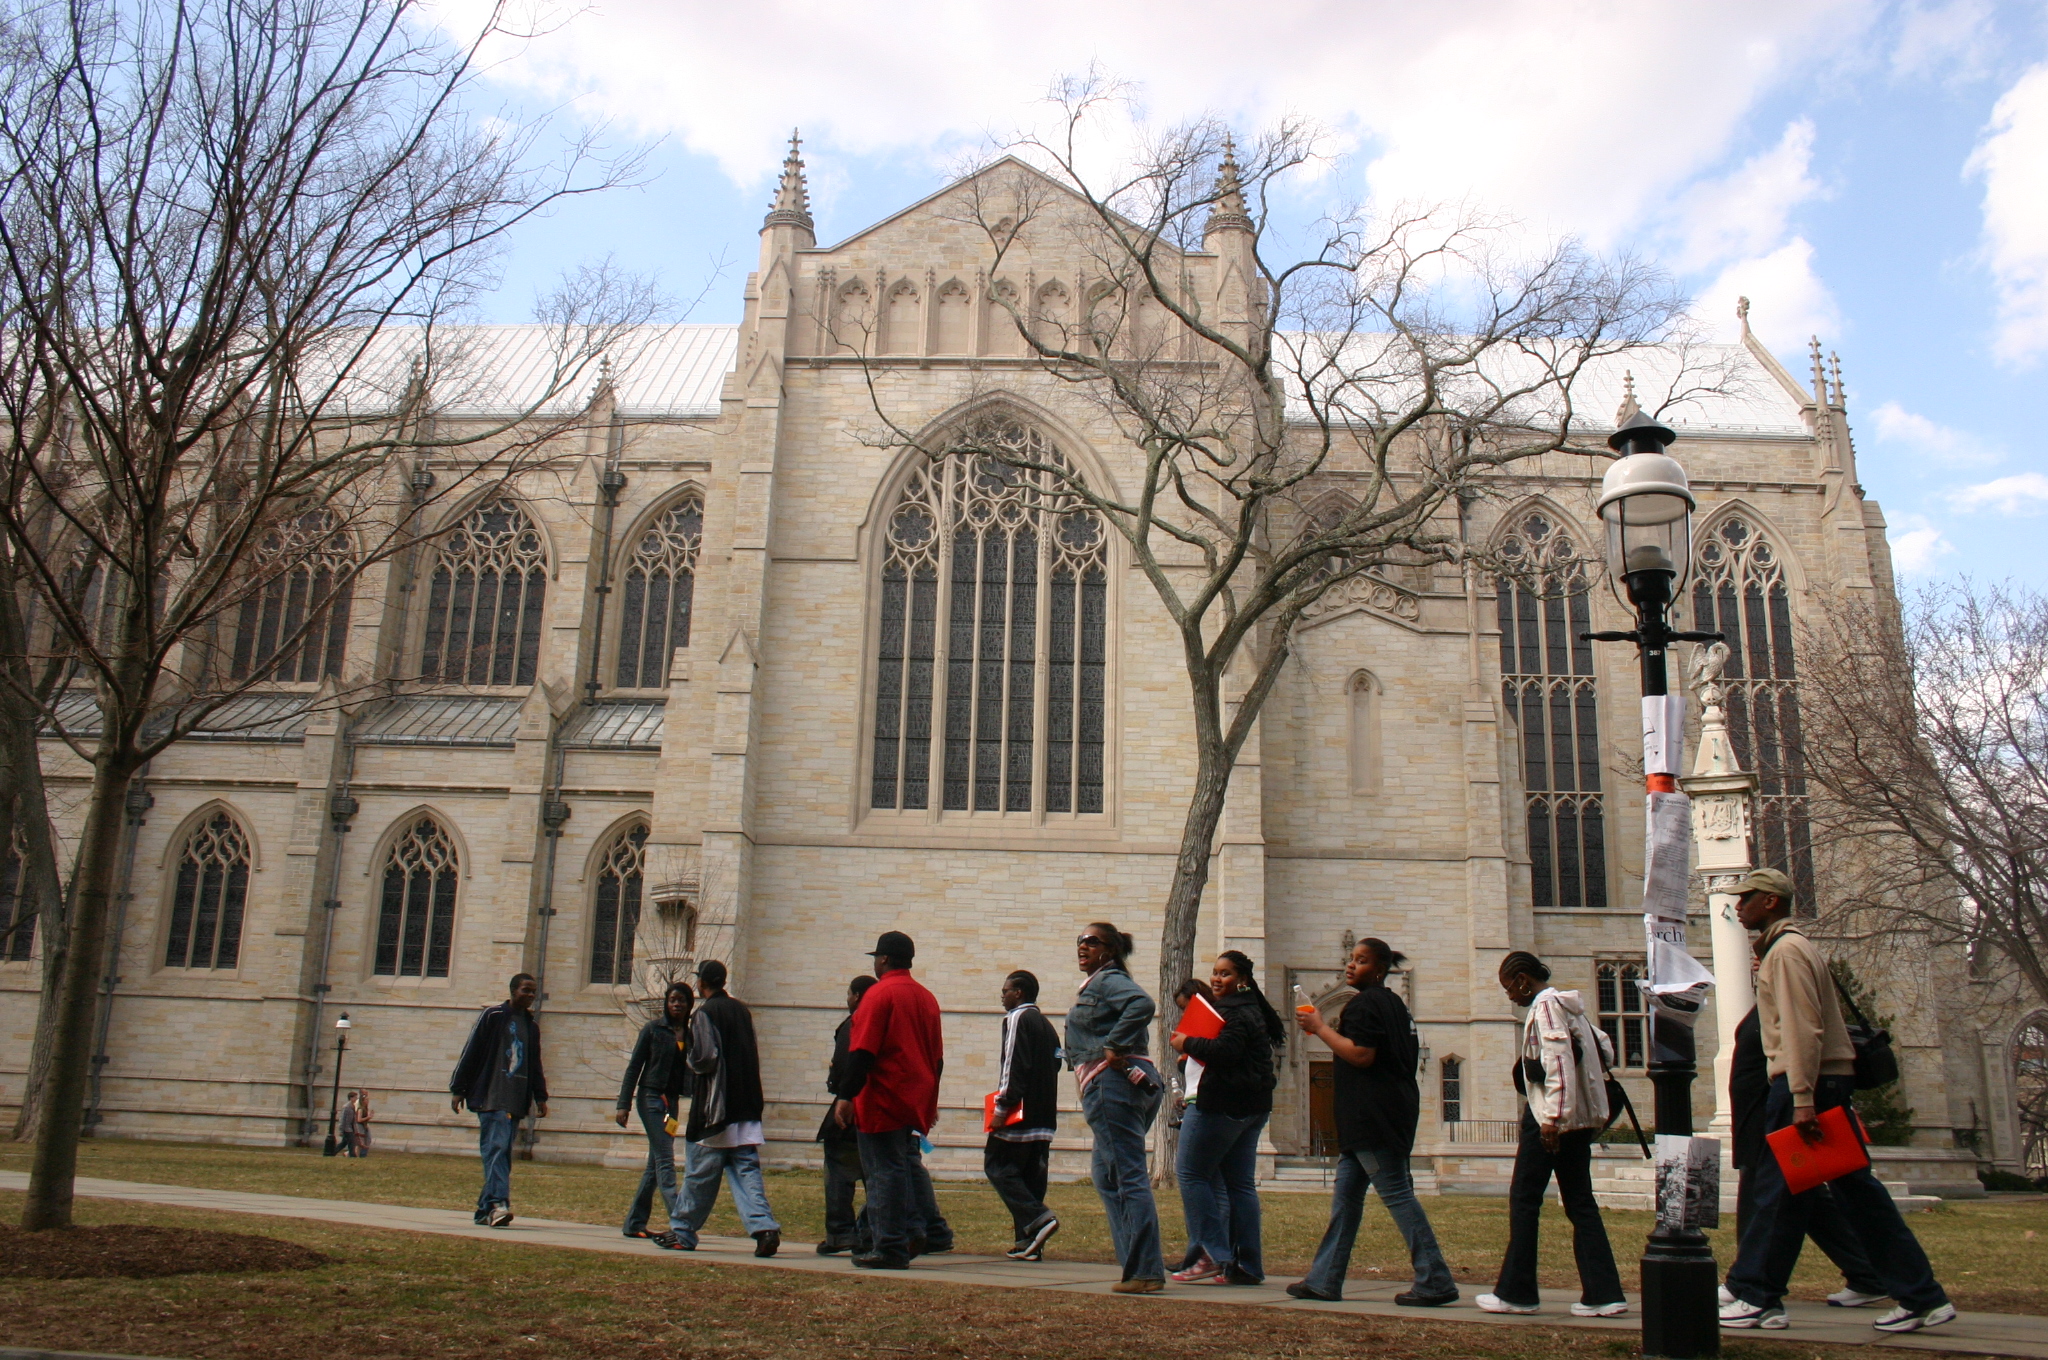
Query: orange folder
x=988, y=1113
x=1200, y=1020
x=1806, y=1165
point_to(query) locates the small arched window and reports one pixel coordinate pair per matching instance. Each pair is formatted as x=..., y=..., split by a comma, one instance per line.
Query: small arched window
x=484, y=605
x=955, y=320
x=1740, y=592
x=621, y=880
x=1547, y=682
x=902, y=320
x=994, y=590
x=294, y=629
x=1365, y=735
x=416, y=909
x=208, y=898
x=1622, y=1013
x=1451, y=1089
x=660, y=579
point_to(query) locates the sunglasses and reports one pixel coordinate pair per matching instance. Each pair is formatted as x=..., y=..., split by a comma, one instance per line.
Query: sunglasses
x=1094, y=941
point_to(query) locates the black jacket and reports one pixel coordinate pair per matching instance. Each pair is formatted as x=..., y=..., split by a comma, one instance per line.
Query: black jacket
x=472, y=1079
x=1030, y=1071
x=839, y=1080
x=1749, y=1081
x=657, y=1065
x=727, y=1063
x=1237, y=1076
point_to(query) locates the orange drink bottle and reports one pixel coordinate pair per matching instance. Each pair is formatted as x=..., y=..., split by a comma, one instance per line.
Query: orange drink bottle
x=1301, y=1002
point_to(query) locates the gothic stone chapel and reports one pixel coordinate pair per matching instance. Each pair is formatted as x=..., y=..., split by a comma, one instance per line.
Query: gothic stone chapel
x=733, y=679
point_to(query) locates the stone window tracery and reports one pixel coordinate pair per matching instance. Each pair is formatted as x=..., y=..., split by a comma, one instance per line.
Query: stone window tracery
x=955, y=320
x=1739, y=590
x=902, y=319
x=209, y=896
x=485, y=601
x=621, y=880
x=994, y=607
x=416, y=908
x=1451, y=1089
x=1552, y=697
x=1620, y=987
x=656, y=593
x=317, y=549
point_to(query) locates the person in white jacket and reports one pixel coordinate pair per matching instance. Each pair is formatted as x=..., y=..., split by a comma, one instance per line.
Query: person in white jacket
x=1561, y=1071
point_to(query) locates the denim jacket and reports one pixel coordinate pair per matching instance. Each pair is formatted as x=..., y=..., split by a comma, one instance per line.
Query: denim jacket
x=1112, y=1011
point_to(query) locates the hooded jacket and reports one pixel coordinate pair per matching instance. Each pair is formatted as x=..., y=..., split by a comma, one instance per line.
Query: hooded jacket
x=1805, y=1037
x=1573, y=1056
x=1238, y=1076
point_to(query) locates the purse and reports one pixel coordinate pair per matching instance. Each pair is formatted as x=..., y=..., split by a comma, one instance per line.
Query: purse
x=1876, y=1063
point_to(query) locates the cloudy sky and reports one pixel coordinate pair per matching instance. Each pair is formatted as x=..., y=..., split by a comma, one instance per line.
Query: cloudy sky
x=1873, y=173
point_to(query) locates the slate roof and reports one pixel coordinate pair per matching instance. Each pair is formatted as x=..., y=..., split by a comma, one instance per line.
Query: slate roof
x=279, y=716
x=440, y=720
x=616, y=725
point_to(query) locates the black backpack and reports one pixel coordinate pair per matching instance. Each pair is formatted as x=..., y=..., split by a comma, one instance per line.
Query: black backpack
x=1876, y=1064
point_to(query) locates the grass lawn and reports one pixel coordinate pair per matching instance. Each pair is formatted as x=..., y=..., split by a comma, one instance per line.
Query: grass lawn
x=1991, y=1255
x=404, y=1296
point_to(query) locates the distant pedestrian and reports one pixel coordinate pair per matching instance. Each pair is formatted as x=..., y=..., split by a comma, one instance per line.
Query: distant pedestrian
x=724, y=1137
x=1121, y=1092
x=1811, y=1064
x=1377, y=1106
x=657, y=1080
x=896, y=1055
x=1561, y=1071
x=1017, y=1157
x=1218, y=1159
x=364, y=1136
x=350, y=1126
x=499, y=1076
x=844, y=1229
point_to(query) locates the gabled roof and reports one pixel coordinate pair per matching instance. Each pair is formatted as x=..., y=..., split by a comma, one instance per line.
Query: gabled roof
x=1005, y=163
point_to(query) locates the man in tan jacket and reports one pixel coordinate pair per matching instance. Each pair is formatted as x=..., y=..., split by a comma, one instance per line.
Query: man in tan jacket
x=1812, y=1068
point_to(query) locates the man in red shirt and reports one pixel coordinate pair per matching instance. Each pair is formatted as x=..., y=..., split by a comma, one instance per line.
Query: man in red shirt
x=896, y=1054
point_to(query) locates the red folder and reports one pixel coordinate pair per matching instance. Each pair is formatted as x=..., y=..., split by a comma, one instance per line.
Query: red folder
x=1806, y=1165
x=988, y=1113
x=1200, y=1020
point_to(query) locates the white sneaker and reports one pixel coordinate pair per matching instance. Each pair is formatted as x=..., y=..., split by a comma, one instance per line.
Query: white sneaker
x=1493, y=1303
x=1201, y=1270
x=1615, y=1309
x=1850, y=1298
x=501, y=1214
x=1906, y=1320
x=1740, y=1314
x=1727, y=1296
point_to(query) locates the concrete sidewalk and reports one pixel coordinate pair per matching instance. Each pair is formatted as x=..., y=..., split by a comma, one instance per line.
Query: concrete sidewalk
x=1971, y=1334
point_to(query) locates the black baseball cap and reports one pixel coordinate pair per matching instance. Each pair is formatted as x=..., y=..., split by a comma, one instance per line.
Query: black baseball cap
x=896, y=945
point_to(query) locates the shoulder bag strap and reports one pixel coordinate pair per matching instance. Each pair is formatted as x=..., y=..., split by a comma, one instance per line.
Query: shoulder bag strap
x=1849, y=1001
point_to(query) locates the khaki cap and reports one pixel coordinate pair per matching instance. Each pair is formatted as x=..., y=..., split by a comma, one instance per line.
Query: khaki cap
x=1767, y=881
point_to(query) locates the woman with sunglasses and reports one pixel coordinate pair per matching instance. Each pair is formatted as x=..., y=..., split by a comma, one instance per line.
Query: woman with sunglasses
x=1120, y=1096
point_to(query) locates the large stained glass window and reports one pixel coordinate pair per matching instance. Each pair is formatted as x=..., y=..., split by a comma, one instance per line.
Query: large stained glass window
x=485, y=601
x=621, y=877
x=416, y=913
x=655, y=594
x=209, y=896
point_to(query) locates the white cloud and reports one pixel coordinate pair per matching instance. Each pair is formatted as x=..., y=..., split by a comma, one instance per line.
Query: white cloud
x=2012, y=159
x=1745, y=214
x=2023, y=493
x=1552, y=114
x=1789, y=301
x=1894, y=424
x=1952, y=39
x=1917, y=545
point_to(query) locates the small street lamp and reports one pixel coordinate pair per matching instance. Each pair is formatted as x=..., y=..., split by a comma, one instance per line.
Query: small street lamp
x=1646, y=503
x=341, y=1029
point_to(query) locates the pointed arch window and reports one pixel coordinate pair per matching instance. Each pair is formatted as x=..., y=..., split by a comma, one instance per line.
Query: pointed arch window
x=1551, y=696
x=209, y=896
x=485, y=602
x=416, y=906
x=294, y=629
x=955, y=320
x=621, y=879
x=1739, y=590
x=655, y=596
x=993, y=649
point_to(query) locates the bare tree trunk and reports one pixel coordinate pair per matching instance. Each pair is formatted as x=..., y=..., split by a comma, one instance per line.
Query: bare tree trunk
x=1191, y=877
x=41, y=891
x=92, y=888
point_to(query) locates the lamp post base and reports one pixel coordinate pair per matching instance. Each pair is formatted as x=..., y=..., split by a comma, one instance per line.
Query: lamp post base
x=1681, y=1315
x=333, y=1147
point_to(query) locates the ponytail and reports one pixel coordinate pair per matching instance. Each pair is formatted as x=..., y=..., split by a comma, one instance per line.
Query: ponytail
x=1120, y=943
x=1276, y=1028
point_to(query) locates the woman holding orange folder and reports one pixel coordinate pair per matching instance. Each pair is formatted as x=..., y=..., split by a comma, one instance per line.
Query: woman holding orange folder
x=1219, y=1135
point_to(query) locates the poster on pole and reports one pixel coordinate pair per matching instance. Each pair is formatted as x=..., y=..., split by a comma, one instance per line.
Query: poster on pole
x=1688, y=1183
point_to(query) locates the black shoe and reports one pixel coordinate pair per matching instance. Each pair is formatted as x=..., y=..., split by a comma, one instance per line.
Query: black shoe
x=1300, y=1289
x=1232, y=1275
x=833, y=1247
x=1411, y=1299
x=917, y=1247
x=937, y=1248
x=874, y=1260
x=638, y=1232
x=1031, y=1247
x=767, y=1242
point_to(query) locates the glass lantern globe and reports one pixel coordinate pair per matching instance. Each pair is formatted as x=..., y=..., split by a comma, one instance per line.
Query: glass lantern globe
x=1646, y=503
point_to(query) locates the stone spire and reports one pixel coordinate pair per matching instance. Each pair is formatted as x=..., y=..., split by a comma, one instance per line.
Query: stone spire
x=1835, y=376
x=792, y=206
x=1228, y=214
x=1628, y=400
x=1820, y=379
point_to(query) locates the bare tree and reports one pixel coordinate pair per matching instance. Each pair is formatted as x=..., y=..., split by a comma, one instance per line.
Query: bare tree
x=1302, y=426
x=1926, y=737
x=232, y=235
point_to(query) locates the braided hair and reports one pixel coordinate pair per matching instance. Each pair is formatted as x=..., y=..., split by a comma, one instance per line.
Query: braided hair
x=1276, y=1028
x=1521, y=963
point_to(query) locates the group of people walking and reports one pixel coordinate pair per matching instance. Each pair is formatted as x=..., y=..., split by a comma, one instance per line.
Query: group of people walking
x=888, y=1056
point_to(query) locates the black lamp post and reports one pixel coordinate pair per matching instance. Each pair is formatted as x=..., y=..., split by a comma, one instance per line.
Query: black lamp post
x=341, y=1029
x=1647, y=504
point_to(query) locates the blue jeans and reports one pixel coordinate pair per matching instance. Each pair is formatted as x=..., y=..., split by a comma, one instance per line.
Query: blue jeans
x=741, y=1167
x=1358, y=1171
x=494, y=1130
x=901, y=1205
x=1218, y=1169
x=661, y=1166
x=1120, y=1116
x=1779, y=1220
